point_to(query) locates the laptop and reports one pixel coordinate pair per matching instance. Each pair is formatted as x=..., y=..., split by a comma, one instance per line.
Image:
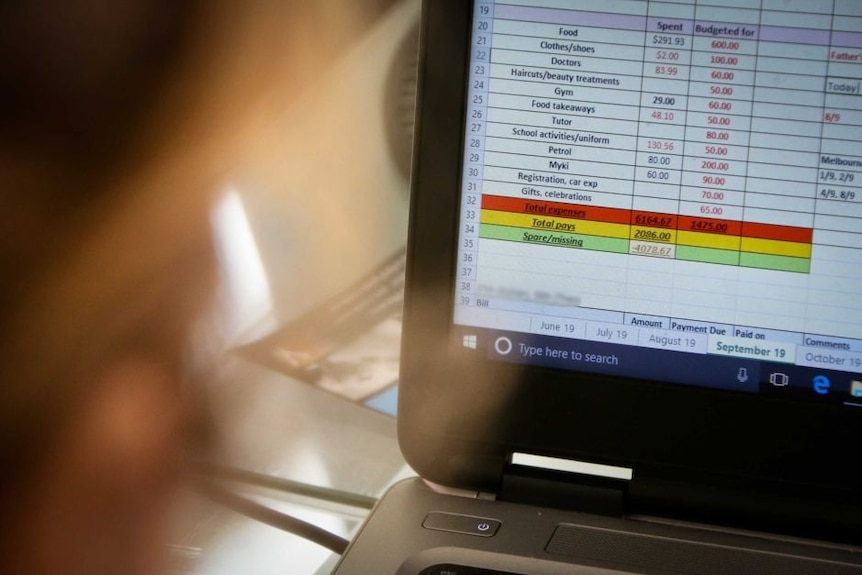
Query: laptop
x=633, y=327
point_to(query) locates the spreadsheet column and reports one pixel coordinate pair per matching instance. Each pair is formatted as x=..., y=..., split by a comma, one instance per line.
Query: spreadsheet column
x=716, y=144
x=788, y=108
x=661, y=133
x=838, y=216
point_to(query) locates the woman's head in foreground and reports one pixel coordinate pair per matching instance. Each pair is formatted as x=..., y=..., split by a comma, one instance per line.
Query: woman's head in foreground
x=117, y=121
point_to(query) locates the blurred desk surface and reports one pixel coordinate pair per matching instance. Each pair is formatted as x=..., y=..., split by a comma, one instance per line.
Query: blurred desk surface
x=288, y=429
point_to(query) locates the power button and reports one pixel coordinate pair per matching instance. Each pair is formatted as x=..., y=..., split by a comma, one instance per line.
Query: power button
x=464, y=524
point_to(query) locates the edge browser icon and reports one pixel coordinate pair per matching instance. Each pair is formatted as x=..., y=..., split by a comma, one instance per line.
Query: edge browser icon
x=821, y=384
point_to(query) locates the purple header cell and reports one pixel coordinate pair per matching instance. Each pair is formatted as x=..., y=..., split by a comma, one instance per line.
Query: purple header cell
x=571, y=17
x=847, y=39
x=684, y=25
x=726, y=30
x=794, y=35
x=698, y=28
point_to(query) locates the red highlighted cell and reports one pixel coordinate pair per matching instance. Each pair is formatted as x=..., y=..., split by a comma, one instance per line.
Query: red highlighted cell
x=654, y=220
x=649, y=219
x=774, y=232
x=556, y=209
x=710, y=226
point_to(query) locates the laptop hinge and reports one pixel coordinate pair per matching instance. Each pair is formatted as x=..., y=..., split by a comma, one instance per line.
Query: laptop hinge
x=551, y=482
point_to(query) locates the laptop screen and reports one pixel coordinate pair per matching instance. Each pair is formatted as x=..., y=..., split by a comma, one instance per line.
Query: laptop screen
x=669, y=191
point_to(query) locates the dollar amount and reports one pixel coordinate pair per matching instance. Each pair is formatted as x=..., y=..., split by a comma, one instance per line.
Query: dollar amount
x=652, y=235
x=654, y=221
x=663, y=145
x=724, y=45
x=649, y=250
x=665, y=40
x=707, y=226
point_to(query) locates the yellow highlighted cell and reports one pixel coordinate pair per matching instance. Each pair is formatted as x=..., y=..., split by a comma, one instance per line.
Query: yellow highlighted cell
x=537, y=222
x=659, y=235
x=776, y=247
x=704, y=240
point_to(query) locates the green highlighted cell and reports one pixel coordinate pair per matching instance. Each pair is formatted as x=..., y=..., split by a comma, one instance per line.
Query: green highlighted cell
x=744, y=259
x=560, y=239
x=707, y=255
x=773, y=262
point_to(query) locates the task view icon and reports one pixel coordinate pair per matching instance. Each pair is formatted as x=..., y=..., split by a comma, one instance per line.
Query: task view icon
x=779, y=379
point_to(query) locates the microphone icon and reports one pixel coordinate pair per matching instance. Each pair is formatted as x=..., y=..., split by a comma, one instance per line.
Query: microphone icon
x=742, y=376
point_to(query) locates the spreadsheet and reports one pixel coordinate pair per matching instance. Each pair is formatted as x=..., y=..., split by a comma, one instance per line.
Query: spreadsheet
x=679, y=175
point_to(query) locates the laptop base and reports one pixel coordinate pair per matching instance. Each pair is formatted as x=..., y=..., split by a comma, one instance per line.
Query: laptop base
x=417, y=531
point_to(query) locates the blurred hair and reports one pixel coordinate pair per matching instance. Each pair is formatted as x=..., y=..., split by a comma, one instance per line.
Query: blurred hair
x=80, y=81
x=117, y=121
